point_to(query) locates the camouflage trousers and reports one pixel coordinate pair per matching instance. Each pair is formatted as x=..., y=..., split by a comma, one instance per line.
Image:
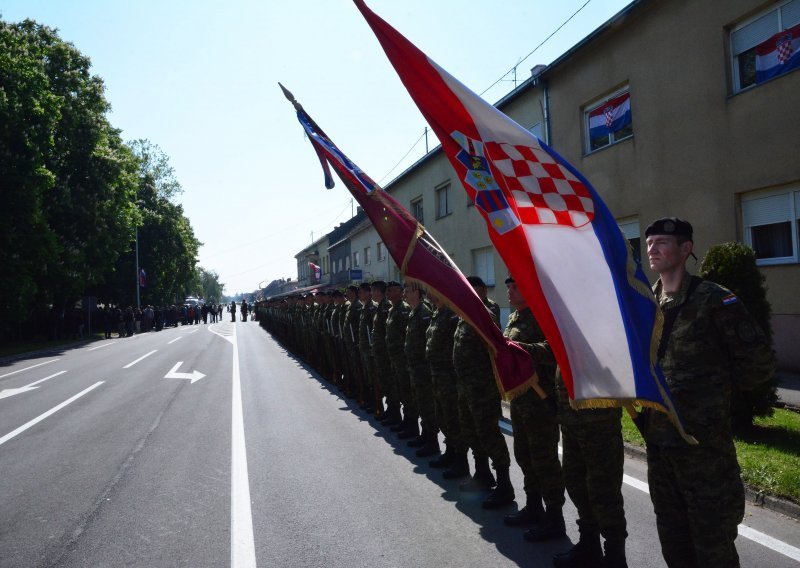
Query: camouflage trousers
x=445, y=391
x=422, y=387
x=593, y=460
x=698, y=498
x=403, y=381
x=536, y=448
x=479, y=414
x=368, y=374
x=352, y=380
x=384, y=377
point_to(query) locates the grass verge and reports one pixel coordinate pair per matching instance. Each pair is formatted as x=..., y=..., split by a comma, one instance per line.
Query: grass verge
x=769, y=454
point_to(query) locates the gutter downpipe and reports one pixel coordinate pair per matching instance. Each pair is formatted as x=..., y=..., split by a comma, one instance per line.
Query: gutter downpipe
x=546, y=112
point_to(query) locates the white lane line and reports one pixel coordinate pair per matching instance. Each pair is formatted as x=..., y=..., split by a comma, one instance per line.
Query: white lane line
x=132, y=363
x=243, y=551
x=45, y=379
x=31, y=367
x=770, y=542
x=174, y=340
x=41, y=417
x=101, y=346
x=758, y=537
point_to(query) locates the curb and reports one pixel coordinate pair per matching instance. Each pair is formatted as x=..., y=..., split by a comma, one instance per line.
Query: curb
x=753, y=497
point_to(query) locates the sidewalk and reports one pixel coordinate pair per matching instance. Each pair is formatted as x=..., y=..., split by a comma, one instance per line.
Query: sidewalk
x=789, y=388
x=753, y=497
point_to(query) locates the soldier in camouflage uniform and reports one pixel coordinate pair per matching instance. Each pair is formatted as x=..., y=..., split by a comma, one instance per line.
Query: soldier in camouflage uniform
x=422, y=386
x=350, y=337
x=535, y=434
x=479, y=408
x=710, y=346
x=439, y=353
x=396, y=324
x=365, y=349
x=384, y=376
x=337, y=323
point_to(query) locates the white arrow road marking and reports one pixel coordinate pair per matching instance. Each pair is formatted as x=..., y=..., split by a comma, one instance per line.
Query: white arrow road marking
x=174, y=374
x=5, y=393
x=763, y=539
x=26, y=368
x=132, y=363
x=41, y=417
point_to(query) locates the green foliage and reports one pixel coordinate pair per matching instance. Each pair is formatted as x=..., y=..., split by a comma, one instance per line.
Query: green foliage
x=210, y=286
x=733, y=265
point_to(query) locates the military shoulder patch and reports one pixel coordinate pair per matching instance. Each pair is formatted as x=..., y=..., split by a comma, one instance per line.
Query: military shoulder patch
x=730, y=299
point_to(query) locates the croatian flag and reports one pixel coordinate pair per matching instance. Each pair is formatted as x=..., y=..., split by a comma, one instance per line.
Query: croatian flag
x=422, y=260
x=778, y=54
x=559, y=240
x=611, y=116
x=142, y=278
x=317, y=270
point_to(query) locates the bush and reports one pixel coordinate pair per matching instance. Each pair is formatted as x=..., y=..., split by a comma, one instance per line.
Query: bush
x=733, y=265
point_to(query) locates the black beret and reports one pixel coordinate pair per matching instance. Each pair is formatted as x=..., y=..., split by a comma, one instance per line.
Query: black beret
x=510, y=279
x=365, y=286
x=380, y=285
x=476, y=281
x=393, y=283
x=336, y=293
x=670, y=226
x=353, y=288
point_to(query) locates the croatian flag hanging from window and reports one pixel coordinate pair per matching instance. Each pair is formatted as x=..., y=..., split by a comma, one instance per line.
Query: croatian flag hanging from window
x=556, y=236
x=779, y=54
x=611, y=116
x=316, y=269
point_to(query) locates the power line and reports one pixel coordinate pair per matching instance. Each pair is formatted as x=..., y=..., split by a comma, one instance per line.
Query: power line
x=380, y=181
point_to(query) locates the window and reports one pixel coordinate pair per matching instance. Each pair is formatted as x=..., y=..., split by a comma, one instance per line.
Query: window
x=347, y=262
x=367, y=258
x=356, y=259
x=416, y=210
x=483, y=264
x=443, y=207
x=761, y=30
x=536, y=130
x=630, y=229
x=381, y=252
x=772, y=226
x=609, y=120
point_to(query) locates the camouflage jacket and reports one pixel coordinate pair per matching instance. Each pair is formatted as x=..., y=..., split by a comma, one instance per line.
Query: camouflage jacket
x=365, y=325
x=418, y=321
x=439, y=338
x=396, y=323
x=523, y=328
x=714, y=346
x=379, y=326
x=350, y=324
x=469, y=349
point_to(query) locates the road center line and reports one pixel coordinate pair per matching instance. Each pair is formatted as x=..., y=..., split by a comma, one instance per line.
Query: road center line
x=243, y=552
x=174, y=340
x=745, y=531
x=41, y=417
x=132, y=363
x=26, y=368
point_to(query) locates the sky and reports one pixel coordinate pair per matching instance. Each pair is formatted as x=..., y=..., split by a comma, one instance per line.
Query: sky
x=200, y=79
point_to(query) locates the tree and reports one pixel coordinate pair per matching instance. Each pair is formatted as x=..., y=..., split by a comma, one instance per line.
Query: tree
x=733, y=265
x=68, y=182
x=155, y=163
x=210, y=285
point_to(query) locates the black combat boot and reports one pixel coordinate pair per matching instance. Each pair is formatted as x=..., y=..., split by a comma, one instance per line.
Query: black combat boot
x=482, y=479
x=445, y=460
x=459, y=468
x=549, y=528
x=503, y=494
x=614, y=556
x=530, y=514
x=419, y=441
x=586, y=553
x=411, y=429
x=431, y=446
x=400, y=425
x=391, y=416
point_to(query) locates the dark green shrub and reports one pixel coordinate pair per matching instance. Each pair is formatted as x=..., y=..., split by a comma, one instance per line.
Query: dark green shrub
x=733, y=265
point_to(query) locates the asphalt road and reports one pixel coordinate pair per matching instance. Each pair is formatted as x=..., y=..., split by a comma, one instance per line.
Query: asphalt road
x=117, y=455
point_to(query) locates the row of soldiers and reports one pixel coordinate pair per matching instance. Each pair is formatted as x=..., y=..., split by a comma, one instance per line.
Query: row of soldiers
x=385, y=341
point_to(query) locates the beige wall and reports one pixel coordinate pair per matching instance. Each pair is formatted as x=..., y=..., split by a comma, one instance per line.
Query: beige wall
x=696, y=147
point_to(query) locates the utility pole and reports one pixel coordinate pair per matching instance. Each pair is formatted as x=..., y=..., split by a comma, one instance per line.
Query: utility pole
x=426, y=139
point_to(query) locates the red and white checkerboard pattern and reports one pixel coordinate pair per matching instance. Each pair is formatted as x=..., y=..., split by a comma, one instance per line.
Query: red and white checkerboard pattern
x=545, y=192
x=785, y=49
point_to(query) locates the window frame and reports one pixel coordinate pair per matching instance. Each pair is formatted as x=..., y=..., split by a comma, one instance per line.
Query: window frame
x=632, y=231
x=443, y=188
x=381, y=252
x=733, y=57
x=367, y=256
x=793, y=193
x=356, y=259
x=490, y=282
x=417, y=201
x=587, y=109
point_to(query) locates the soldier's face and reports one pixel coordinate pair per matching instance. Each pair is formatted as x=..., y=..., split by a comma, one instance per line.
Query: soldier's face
x=394, y=294
x=364, y=295
x=377, y=295
x=665, y=254
x=514, y=296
